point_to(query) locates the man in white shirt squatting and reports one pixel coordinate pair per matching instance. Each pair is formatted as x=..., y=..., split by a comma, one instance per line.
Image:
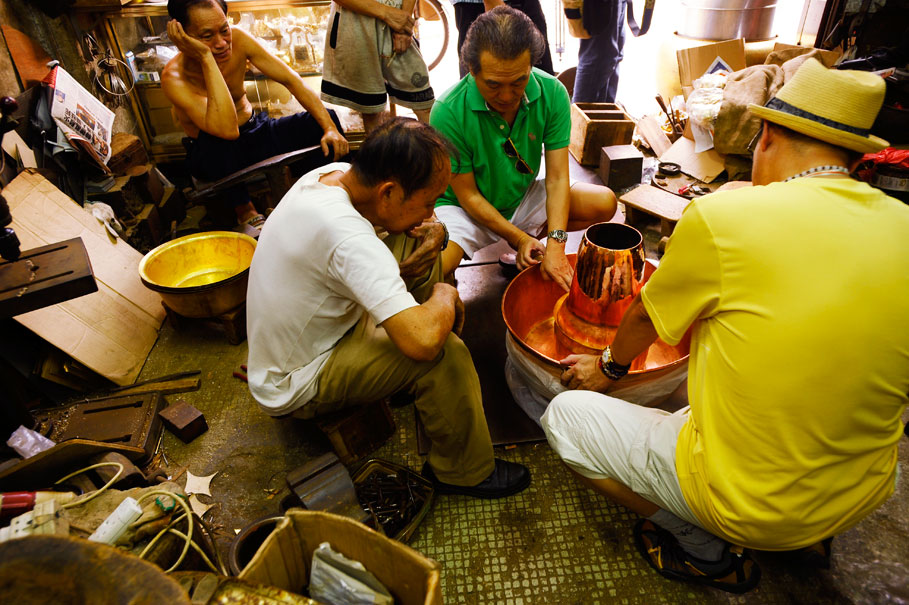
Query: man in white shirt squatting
x=338, y=317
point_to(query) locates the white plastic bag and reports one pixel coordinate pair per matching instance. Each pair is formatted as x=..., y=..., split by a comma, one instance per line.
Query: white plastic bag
x=336, y=580
x=27, y=442
x=533, y=388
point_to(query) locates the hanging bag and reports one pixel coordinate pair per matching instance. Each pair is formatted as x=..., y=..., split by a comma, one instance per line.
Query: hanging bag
x=574, y=14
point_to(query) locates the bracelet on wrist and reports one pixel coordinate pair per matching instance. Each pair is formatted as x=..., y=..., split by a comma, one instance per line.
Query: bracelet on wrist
x=445, y=229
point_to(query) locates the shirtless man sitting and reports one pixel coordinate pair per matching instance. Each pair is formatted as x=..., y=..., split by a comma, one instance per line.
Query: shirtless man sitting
x=205, y=83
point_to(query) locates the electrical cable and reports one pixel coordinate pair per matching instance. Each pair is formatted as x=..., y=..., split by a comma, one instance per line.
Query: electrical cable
x=95, y=493
x=188, y=536
x=189, y=533
x=210, y=534
x=200, y=551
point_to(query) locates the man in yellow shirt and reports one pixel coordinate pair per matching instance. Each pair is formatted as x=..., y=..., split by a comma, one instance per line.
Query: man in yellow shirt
x=796, y=292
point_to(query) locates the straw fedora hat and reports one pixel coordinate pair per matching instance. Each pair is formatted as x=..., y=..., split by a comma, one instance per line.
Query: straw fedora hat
x=837, y=107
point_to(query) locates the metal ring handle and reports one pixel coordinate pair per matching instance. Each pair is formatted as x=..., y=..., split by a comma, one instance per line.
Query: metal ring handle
x=132, y=81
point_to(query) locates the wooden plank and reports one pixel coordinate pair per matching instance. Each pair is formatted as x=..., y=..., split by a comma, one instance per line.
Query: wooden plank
x=44, y=468
x=655, y=201
x=167, y=387
x=651, y=132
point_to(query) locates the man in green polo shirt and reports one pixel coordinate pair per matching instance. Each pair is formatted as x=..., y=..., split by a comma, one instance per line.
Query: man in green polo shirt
x=500, y=117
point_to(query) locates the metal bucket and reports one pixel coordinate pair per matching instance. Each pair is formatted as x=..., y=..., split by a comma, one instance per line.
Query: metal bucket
x=201, y=275
x=727, y=19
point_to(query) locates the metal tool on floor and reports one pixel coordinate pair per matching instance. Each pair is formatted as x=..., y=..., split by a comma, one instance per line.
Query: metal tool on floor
x=324, y=484
x=128, y=421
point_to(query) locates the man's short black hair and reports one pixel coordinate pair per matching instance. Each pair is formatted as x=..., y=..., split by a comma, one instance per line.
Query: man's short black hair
x=402, y=150
x=179, y=9
x=504, y=32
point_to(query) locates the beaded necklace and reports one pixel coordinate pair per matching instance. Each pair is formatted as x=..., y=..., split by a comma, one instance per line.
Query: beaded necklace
x=819, y=171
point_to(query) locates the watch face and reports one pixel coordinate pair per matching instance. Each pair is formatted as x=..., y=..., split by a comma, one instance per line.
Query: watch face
x=558, y=235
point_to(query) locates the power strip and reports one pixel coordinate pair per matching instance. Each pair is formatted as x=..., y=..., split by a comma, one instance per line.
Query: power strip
x=116, y=523
x=43, y=520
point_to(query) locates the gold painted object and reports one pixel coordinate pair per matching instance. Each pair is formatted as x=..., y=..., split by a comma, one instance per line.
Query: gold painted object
x=200, y=275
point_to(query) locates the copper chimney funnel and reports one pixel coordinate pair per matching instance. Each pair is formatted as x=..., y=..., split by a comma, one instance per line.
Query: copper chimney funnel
x=608, y=275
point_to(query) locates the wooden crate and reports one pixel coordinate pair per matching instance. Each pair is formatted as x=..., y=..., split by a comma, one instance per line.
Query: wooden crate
x=597, y=125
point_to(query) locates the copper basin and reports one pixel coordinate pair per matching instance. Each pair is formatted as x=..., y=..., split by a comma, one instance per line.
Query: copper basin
x=528, y=308
x=200, y=275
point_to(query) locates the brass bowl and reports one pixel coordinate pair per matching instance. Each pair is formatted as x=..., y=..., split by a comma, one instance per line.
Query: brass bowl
x=200, y=275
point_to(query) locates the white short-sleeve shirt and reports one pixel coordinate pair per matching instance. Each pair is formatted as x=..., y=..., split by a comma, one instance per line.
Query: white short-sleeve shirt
x=317, y=267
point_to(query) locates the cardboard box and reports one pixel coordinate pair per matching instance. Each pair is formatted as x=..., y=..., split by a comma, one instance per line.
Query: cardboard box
x=695, y=61
x=597, y=125
x=112, y=330
x=285, y=558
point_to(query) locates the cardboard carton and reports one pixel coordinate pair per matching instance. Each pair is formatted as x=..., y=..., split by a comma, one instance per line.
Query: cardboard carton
x=284, y=559
x=695, y=61
x=110, y=331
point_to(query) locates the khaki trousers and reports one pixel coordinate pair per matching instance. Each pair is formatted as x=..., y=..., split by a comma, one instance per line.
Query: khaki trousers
x=366, y=366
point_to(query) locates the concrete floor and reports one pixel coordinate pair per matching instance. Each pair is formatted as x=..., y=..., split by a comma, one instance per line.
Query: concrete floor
x=554, y=543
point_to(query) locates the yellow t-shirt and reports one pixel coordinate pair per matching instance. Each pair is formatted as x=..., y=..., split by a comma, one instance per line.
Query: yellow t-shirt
x=799, y=367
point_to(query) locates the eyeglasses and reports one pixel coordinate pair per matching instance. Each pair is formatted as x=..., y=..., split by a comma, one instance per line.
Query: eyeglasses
x=510, y=150
x=754, y=142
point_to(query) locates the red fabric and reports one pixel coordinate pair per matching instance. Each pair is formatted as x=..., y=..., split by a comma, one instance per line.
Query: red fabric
x=897, y=157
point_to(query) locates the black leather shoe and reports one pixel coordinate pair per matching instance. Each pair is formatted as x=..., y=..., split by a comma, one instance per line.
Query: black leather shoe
x=507, y=478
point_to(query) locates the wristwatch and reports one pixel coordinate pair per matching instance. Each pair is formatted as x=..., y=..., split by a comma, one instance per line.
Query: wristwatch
x=609, y=367
x=558, y=235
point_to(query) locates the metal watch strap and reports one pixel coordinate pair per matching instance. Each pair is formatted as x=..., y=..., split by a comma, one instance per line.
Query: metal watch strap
x=558, y=235
x=445, y=229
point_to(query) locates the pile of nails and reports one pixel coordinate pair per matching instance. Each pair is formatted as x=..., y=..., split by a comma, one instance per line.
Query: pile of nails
x=391, y=500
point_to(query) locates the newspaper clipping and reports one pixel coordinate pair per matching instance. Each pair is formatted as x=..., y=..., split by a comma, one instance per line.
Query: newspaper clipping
x=84, y=120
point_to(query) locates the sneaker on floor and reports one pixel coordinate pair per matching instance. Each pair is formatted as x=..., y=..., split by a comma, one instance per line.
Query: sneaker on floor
x=817, y=555
x=252, y=226
x=735, y=572
x=507, y=478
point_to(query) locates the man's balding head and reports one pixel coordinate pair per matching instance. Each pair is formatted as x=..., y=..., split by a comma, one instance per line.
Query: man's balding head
x=179, y=9
x=505, y=33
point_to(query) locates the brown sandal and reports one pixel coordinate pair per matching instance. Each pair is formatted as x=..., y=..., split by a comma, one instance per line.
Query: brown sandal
x=736, y=571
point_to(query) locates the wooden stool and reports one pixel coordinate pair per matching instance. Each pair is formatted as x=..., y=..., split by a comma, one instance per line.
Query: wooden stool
x=358, y=431
x=233, y=322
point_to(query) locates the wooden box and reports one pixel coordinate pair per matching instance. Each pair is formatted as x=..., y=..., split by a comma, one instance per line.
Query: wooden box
x=597, y=125
x=127, y=153
x=183, y=420
x=620, y=166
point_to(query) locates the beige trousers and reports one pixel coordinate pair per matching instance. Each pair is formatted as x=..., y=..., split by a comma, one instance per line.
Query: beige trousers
x=366, y=366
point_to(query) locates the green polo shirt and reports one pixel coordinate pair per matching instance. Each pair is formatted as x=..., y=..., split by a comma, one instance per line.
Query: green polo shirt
x=478, y=132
